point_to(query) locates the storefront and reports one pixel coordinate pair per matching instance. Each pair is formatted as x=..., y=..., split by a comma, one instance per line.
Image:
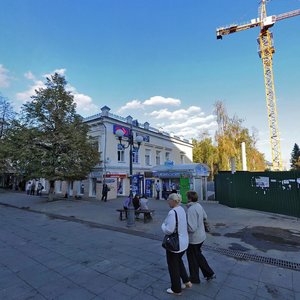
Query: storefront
x=182, y=178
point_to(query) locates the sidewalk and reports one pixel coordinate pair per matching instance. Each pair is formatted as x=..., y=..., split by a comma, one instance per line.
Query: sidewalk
x=246, y=237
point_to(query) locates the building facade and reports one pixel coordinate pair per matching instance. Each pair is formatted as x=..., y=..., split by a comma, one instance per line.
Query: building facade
x=157, y=148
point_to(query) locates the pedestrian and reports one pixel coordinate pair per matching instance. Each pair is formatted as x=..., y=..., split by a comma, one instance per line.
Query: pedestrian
x=127, y=202
x=144, y=206
x=39, y=189
x=144, y=203
x=157, y=188
x=28, y=187
x=195, y=220
x=32, y=188
x=176, y=266
x=105, y=190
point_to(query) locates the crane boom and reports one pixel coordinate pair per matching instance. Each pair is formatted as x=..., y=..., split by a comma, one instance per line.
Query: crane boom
x=266, y=53
x=290, y=14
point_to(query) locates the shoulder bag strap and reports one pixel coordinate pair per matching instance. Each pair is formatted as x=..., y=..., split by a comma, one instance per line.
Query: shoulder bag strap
x=176, y=228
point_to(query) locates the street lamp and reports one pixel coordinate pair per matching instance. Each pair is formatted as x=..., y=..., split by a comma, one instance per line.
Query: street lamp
x=131, y=144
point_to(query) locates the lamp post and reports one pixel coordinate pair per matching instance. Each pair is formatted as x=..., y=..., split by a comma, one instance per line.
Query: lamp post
x=131, y=144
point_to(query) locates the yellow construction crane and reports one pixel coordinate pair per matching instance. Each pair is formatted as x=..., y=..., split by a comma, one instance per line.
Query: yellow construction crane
x=266, y=51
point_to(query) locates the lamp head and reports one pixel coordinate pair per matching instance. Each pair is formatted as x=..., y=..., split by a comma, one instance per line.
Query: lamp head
x=139, y=139
x=119, y=133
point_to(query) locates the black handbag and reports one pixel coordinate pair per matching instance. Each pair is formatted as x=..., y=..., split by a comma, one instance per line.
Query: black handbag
x=171, y=241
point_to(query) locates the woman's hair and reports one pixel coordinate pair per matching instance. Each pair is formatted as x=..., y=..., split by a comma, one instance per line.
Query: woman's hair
x=175, y=197
x=192, y=195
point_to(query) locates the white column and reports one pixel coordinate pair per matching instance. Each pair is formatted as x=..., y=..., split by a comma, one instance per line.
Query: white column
x=244, y=157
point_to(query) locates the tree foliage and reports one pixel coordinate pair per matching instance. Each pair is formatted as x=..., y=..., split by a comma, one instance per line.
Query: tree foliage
x=50, y=140
x=295, y=158
x=205, y=152
x=7, y=116
x=229, y=137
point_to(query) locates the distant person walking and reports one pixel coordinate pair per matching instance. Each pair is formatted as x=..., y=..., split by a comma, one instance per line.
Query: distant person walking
x=105, y=190
x=195, y=217
x=28, y=187
x=157, y=188
x=32, y=189
x=176, y=266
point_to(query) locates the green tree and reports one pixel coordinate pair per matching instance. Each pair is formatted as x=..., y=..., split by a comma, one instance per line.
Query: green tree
x=295, y=158
x=7, y=115
x=50, y=140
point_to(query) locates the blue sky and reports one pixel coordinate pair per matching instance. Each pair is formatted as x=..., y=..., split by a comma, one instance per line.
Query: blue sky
x=156, y=60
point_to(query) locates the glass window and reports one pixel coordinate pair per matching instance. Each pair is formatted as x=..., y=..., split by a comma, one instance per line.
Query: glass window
x=94, y=185
x=182, y=158
x=148, y=157
x=157, y=158
x=167, y=156
x=80, y=186
x=59, y=186
x=121, y=153
x=135, y=156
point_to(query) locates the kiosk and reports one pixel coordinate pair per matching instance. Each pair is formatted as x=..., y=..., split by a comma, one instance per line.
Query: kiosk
x=182, y=178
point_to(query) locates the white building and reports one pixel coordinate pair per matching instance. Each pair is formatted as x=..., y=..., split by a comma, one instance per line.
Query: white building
x=156, y=149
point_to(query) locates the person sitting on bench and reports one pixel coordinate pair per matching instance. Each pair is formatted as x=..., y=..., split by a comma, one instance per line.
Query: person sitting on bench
x=144, y=206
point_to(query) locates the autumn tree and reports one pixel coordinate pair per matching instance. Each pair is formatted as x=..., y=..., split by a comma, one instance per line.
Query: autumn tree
x=229, y=137
x=50, y=140
x=205, y=152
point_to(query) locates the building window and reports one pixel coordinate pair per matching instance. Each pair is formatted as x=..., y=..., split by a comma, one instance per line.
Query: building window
x=80, y=188
x=93, y=186
x=135, y=156
x=121, y=153
x=157, y=158
x=167, y=156
x=182, y=158
x=59, y=186
x=148, y=157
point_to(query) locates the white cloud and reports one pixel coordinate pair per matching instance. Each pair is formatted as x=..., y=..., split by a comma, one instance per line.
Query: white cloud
x=152, y=101
x=4, y=77
x=58, y=71
x=132, y=105
x=187, y=122
x=159, y=100
x=29, y=75
x=84, y=103
x=25, y=96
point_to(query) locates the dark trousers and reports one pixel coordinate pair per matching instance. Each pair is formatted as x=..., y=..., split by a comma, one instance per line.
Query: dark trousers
x=197, y=260
x=104, y=197
x=157, y=195
x=176, y=270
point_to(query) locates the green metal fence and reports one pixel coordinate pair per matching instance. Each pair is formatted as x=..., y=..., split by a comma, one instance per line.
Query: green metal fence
x=277, y=192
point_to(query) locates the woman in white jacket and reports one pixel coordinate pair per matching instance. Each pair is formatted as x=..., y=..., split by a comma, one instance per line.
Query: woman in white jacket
x=195, y=216
x=174, y=258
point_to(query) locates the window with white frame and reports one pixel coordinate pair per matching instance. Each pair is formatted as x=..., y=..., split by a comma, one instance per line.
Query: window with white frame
x=157, y=158
x=59, y=186
x=121, y=153
x=182, y=158
x=147, y=157
x=135, y=156
x=167, y=156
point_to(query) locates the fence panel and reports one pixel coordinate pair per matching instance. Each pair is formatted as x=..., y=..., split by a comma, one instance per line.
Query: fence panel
x=277, y=192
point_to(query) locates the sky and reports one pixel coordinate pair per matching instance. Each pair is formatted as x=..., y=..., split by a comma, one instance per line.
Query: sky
x=156, y=60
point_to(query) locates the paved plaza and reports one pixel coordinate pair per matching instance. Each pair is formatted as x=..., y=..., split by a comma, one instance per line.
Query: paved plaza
x=79, y=249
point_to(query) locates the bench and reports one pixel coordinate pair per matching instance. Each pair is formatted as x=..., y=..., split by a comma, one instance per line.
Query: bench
x=147, y=214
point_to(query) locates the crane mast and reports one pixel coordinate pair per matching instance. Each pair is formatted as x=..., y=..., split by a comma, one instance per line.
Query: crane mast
x=266, y=52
